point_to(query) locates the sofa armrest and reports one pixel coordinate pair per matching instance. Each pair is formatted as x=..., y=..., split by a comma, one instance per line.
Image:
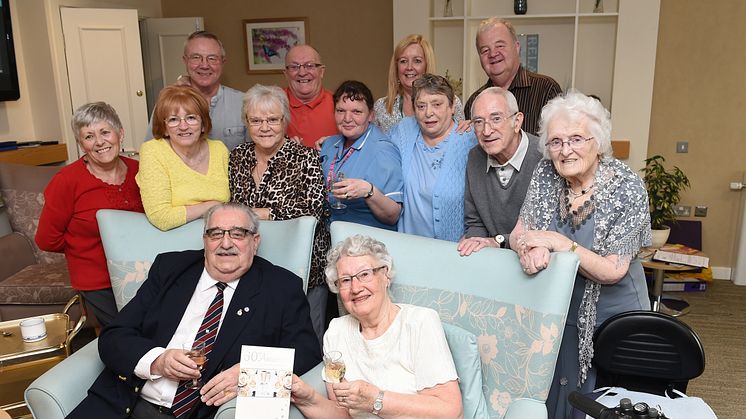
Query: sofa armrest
x=54, y=395
x=526, y=408
x=17, y=254
x=312, y=378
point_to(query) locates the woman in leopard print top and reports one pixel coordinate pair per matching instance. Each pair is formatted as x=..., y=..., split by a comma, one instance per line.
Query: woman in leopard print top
x=280, y=179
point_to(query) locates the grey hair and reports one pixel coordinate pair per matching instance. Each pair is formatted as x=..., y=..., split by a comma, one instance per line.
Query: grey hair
x=253, y=218
x=492, y=23
x=357, y=245
x=204, y=35
x=497, y=91
x=432, y=84
x=93, y=112
x=575, y=106
x=264, y=98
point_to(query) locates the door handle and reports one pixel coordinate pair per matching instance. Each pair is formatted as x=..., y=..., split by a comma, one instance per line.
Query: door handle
x=139, y=93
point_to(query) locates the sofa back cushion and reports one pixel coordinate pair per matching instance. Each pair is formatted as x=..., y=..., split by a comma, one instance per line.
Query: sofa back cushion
x=22, y=191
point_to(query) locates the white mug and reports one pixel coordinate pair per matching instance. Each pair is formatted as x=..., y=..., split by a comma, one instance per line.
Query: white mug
x=33, y=329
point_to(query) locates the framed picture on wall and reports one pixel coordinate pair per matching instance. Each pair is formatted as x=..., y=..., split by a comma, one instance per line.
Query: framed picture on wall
x=269, y=40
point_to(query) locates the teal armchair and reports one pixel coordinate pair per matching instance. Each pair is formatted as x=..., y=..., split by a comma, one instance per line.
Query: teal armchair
x=503, y=327
x=131, y=244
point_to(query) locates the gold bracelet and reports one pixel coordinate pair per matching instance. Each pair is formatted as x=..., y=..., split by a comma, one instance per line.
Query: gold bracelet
x=574, y=246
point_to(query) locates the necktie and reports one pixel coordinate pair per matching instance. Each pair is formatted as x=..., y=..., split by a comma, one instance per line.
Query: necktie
x=187, y=397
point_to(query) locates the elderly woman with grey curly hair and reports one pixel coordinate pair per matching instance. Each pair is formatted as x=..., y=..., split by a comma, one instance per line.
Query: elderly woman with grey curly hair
x=397, y=359
x=583, y=200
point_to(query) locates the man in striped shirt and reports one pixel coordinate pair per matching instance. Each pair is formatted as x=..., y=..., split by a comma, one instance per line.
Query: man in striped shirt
x=499, y=49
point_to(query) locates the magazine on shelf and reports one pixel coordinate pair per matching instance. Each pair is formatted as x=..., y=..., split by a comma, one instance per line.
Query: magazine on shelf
x=264, y=382
x=678, y=253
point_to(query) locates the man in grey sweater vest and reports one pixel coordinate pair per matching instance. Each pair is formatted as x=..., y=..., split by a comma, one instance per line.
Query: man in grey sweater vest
x=498, y=171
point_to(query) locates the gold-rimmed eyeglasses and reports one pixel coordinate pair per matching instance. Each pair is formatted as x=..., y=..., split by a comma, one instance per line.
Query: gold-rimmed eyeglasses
x=174, y=120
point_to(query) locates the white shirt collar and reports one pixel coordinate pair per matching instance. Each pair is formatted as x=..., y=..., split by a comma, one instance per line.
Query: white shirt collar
x=517, y=160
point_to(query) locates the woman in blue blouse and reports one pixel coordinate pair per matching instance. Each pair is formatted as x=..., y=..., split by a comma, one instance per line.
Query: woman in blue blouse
x=371, y=188
x=433, y=157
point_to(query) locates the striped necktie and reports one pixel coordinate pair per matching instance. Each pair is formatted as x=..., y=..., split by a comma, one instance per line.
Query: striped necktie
x=186, y=398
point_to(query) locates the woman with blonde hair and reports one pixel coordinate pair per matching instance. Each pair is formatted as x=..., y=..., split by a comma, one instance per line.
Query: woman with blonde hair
x=412, y=57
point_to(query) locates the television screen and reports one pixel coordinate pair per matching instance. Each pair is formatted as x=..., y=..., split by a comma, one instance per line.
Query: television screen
x=8, y=72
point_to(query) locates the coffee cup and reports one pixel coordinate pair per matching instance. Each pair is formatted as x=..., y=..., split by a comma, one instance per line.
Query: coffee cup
x=33, y=329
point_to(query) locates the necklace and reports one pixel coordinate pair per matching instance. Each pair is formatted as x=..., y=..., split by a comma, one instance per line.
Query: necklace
x=575, y=195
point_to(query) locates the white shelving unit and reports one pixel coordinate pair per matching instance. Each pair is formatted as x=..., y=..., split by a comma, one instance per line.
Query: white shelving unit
x=576, y=46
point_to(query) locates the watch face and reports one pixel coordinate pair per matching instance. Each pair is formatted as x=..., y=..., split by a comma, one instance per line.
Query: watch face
x=378, y=405
x=500, y=238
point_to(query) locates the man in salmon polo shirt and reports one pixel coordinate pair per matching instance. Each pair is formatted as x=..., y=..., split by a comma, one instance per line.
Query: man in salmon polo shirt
x=311, y=106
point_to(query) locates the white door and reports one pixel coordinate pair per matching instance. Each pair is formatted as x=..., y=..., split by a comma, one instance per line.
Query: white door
x=163, y=46
x=104, y=63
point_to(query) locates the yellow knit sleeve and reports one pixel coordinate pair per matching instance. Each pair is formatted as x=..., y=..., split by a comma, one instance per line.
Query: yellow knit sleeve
x=155, y=179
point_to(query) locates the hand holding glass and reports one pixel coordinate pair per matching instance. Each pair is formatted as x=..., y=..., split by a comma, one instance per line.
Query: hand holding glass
x=196, y=352
x=334, y=367
x=333, y=201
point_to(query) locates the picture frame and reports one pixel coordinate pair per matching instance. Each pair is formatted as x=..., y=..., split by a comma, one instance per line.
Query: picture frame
x=269, y=40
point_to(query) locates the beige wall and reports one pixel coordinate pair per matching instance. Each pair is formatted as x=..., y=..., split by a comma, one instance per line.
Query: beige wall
x=698, y=96
x=353, y=37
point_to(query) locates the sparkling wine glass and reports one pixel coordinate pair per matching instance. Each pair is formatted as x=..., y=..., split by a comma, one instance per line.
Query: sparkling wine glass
x=196, y=352
x=334, y=202
x=334, y=367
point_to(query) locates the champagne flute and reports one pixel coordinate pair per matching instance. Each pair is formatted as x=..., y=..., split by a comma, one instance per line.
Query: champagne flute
x=334, y=202
x=196, y=352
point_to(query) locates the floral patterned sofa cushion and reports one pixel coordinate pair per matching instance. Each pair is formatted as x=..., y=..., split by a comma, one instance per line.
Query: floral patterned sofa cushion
x=38, y=284
x=22, y=190
x=517, y=346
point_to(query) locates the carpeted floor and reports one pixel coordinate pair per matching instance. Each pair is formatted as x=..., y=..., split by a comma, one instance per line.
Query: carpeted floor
x=718, y=315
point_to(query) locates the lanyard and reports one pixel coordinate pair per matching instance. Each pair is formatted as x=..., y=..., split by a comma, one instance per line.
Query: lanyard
x=348, y=153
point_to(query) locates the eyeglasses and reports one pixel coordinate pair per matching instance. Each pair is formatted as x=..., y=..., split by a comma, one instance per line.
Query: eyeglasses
x=493, y=121
x=272, y=120
x=236, y=233
x=294, y=68
x=366, y=275
x=174, y=121
x=575, y=142
x=211, y=59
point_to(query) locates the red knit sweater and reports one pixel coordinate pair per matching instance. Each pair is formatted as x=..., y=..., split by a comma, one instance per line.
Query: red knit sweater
x=68, y=219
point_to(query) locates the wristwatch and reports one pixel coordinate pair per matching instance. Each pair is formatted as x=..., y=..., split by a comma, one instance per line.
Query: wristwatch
x=370, y=192
x=378, y=403
x=500, y=239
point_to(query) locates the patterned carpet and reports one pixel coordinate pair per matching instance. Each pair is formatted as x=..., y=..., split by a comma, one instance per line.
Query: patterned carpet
x=719, y=317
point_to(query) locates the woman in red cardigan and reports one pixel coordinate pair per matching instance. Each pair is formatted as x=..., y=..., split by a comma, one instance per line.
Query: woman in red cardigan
x=100, y=179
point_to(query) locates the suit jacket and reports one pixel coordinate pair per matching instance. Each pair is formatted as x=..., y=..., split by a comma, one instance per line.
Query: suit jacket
x=278, y=316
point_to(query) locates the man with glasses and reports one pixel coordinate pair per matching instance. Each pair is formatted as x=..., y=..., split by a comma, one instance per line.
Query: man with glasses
x=498, y=171
x=311, y=106
x=204, y=57
x=224, y=297
x=499, y=54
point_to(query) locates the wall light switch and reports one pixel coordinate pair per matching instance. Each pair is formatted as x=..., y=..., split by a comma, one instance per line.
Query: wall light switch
x=682, y=211
x=700, y=211
x=682, y=146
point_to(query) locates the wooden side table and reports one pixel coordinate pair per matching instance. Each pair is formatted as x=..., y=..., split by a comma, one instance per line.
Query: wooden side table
x=659, y=269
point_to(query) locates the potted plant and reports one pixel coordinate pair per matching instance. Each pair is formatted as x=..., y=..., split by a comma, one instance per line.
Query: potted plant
x=664, y=189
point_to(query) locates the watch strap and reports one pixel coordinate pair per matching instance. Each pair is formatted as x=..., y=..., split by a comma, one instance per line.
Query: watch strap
x=378, y=403
x=370, y=192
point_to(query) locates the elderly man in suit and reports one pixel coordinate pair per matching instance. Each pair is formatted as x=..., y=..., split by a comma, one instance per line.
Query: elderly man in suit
x=225, y=297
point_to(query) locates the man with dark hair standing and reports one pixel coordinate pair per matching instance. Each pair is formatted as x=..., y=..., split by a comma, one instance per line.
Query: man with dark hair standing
x=499, y=54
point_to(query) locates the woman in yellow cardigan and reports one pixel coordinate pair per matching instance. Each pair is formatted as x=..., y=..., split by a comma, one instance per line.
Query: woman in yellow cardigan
x=182, y=173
